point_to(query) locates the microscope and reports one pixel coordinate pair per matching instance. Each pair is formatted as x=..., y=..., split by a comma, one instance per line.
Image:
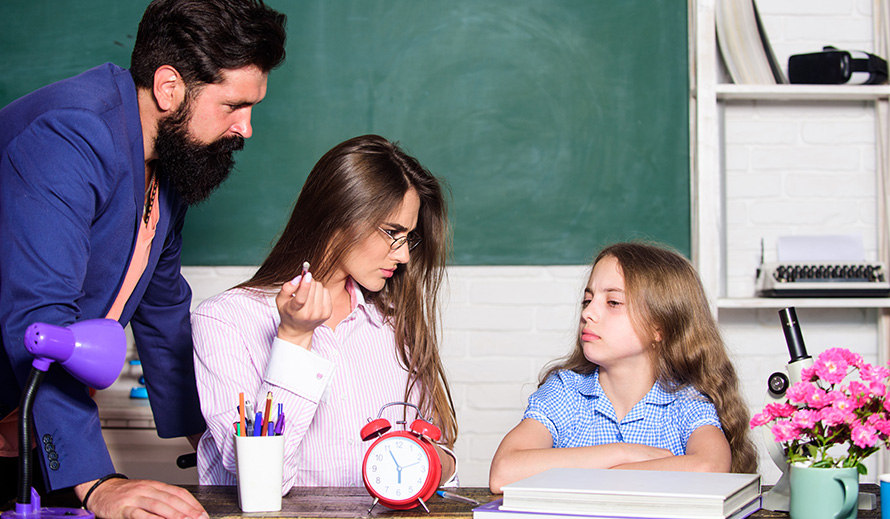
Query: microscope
x=779, y=497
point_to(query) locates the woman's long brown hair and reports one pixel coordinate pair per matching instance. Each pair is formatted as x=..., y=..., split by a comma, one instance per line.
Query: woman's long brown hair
x=665, y=295
x=352, y=188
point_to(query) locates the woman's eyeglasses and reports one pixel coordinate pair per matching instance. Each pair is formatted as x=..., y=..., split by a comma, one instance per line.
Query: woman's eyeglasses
x=411, y=239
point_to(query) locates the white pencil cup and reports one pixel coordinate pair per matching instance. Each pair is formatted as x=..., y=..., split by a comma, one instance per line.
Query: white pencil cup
x=260, y=462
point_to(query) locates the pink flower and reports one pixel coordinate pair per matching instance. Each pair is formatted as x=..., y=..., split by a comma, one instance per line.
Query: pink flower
x=779, y=410
x=874, y=419
x=864, y=436
x=882, y=425
x=831, y=366
x=785, y=432
x=870, y=373
x=831, y=416
x=859, y=392
x=822, y=412
x=809, y=373
x=853, y=359
x=845, y=405
x=836, y=395
x=801, y=392
x=761, y=419
x=805, y=418
x=818, y=398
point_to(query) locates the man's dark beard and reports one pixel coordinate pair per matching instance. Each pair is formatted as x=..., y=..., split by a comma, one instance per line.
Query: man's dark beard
x=194, y=169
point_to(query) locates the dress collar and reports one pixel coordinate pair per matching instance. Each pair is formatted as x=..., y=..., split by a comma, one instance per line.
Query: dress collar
x=658, y=395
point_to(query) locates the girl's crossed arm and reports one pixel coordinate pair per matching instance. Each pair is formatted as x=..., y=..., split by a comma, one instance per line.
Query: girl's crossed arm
x=706, y=451
x=528, y=450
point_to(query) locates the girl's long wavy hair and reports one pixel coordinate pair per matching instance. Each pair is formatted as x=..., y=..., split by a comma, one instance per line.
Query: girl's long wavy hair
x=352, y=188
x=665, y=295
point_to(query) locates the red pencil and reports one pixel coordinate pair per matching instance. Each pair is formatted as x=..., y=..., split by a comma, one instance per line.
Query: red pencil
x=267, y=413
x=242, y=431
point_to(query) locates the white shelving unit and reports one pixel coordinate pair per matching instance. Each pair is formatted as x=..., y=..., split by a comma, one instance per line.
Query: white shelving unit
x=814, y=302
x=708, y=232
x=709, y=247
x=802, y=92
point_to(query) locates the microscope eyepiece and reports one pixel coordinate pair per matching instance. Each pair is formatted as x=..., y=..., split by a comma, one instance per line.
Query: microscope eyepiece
x=793, y=337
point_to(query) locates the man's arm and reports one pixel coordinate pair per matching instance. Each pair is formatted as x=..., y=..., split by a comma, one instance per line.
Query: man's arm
x=49, y=197
x=57, y=180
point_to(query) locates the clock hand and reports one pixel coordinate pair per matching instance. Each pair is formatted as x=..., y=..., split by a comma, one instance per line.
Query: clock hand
x=394, y=460
x=398, y=467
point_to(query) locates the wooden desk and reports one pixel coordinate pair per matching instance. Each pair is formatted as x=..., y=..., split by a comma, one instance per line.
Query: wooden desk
x=351, y=503
x=334, y=502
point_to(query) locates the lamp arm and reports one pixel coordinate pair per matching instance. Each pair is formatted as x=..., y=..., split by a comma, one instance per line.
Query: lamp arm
x=26, y=407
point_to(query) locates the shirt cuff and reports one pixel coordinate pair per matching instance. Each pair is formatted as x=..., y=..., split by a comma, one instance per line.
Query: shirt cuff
x=298, y=370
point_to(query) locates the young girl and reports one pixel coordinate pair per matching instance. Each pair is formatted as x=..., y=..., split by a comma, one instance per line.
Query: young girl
x=336, y=342
x=648, y=386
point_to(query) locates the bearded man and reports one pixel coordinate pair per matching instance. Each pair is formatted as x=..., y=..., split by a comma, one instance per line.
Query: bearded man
x=96, y=174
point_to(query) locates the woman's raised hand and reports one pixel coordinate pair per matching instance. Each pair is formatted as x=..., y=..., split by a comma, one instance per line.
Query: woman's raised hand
x=303, y=304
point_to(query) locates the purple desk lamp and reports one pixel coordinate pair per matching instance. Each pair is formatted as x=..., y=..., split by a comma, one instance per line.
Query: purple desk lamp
x=93, y=352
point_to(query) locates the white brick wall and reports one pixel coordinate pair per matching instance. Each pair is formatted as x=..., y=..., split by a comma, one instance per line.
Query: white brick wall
x=795, y=168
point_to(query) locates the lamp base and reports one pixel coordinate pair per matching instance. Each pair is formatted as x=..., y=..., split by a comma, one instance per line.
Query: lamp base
x=45, y=513
x=33, y=510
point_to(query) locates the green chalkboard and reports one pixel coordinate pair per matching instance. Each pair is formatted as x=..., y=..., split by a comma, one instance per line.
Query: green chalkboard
x=559, y=125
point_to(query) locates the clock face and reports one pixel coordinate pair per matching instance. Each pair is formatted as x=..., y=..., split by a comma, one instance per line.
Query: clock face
x=397, y=468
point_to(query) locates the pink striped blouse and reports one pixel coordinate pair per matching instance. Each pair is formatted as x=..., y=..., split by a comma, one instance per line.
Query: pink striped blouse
x=328, y=394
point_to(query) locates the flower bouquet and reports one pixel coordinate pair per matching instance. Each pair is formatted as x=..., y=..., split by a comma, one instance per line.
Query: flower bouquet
x=826, y=409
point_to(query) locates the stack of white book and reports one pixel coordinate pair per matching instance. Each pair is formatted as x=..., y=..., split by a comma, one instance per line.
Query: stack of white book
x=567, y=493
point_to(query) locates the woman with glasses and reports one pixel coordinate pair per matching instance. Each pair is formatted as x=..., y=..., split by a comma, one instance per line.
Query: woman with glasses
x=336, y=342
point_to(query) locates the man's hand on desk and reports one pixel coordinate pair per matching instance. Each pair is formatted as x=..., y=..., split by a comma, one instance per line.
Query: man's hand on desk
x=133, y=498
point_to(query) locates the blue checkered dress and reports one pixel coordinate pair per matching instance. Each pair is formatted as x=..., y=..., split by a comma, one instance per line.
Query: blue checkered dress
x=579, y=414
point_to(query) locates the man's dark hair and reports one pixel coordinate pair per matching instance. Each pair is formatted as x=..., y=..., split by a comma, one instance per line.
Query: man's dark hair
x=201, y=38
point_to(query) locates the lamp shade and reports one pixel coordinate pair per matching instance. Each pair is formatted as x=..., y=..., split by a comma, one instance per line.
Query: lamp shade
x=93, y=350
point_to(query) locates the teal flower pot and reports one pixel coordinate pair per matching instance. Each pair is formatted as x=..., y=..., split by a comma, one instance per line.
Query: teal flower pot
x=824, y=493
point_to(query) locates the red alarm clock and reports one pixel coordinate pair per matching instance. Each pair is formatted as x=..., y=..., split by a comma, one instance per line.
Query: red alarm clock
x=401, y=469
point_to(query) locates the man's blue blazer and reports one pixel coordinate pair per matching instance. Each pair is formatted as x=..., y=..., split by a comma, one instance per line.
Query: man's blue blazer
x=72, y=184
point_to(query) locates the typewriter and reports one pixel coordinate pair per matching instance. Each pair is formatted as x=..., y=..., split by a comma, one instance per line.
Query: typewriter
x=823, y=279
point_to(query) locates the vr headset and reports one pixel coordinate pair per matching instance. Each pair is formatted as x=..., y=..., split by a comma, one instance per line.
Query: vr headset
x=837, y=67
